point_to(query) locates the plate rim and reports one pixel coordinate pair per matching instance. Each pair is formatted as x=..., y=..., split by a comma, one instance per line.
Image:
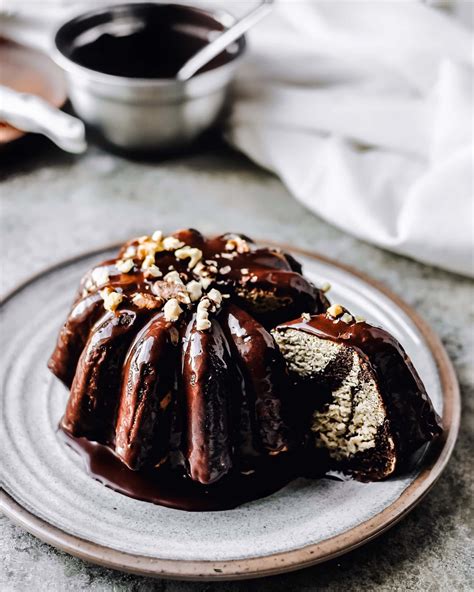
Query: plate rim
x=268, y=565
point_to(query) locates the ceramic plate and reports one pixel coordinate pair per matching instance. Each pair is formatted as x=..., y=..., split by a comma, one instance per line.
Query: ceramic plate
x=47, y=491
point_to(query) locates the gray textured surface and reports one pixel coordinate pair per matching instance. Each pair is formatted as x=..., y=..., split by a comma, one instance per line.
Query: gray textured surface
x=54, y=206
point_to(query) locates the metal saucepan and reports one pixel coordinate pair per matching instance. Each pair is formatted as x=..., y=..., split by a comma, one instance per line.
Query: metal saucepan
x=150, y=113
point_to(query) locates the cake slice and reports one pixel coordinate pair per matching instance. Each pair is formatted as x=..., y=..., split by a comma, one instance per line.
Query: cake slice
x=368, y=407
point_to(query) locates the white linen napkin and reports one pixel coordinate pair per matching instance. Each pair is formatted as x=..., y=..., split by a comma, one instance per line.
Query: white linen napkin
x=362, y=107
x=364, y=110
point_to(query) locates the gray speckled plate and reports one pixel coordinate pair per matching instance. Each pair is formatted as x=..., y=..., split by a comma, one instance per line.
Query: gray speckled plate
x=46, y=489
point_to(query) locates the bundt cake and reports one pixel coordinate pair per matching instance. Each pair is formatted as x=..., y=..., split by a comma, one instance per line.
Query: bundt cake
x=168, y=355
x=369, y=410
x=183, y=358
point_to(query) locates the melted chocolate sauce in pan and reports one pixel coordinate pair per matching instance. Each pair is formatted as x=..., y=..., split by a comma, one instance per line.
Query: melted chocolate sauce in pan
x=141, y=41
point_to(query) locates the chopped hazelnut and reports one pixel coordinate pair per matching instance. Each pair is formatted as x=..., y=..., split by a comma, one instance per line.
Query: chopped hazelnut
x=326, y=287
x=206, y=282
x=170, y=243
x=194, y=290
x=202, y=315
x=111, y=299
x=124, y=265
x=100, y=276
x=141, y=300
x=172, y=310
x=225, y=270
x=244, y=271
x=335, y=311
x=130, y=252
x=153, y=271
x=237, y=243
x=347, y=318
x=173, y=277
x=215, y=296
x=194, y=255
x=306, y=316
x=157, y=236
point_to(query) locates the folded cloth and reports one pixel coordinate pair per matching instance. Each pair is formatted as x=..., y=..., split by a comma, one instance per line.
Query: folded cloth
x=364, y=110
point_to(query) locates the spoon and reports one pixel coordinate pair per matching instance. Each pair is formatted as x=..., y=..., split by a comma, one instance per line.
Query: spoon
x=215, y=47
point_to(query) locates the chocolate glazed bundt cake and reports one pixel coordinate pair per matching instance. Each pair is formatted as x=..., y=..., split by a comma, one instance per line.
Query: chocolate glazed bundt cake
x=168, y=355
x=368, y=407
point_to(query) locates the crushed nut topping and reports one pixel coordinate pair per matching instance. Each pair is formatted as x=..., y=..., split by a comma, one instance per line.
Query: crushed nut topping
x=194, y=290
x=335, y=311
x=306, y=317
x=100, y=276
x=173, y=277
x=346, y=318
x=147, y=301
x=124, y=265
x=215, y=296
x=325, y=287
x=170, y=243
x=359, y=319
x=111, y=299
x=130, y=252
x=157, y=236
x=244, y=271
x=153, y=271
x=172, y=310
x=237, y=243
x=225, y=270
x=206, y=282
x=228, y=255
x=194, y=255
x=148, y=262
x=202, y=315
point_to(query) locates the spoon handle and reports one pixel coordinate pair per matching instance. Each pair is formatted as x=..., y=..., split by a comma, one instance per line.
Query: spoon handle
x=215, y=47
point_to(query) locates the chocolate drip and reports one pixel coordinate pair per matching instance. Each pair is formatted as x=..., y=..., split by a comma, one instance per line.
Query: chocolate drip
x=264, y=372
x=206, y=386
x=142, y=433
x=94, y=392
x=73, y=337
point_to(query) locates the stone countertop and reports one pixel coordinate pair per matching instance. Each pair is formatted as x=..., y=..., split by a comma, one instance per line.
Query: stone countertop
x=54, y=206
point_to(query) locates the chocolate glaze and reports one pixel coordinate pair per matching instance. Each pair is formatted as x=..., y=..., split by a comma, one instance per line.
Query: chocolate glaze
x=413, y=421
x=144, y=418
x=93, y=400
x=217, y=413
x=206, y=383
x=264, y=370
